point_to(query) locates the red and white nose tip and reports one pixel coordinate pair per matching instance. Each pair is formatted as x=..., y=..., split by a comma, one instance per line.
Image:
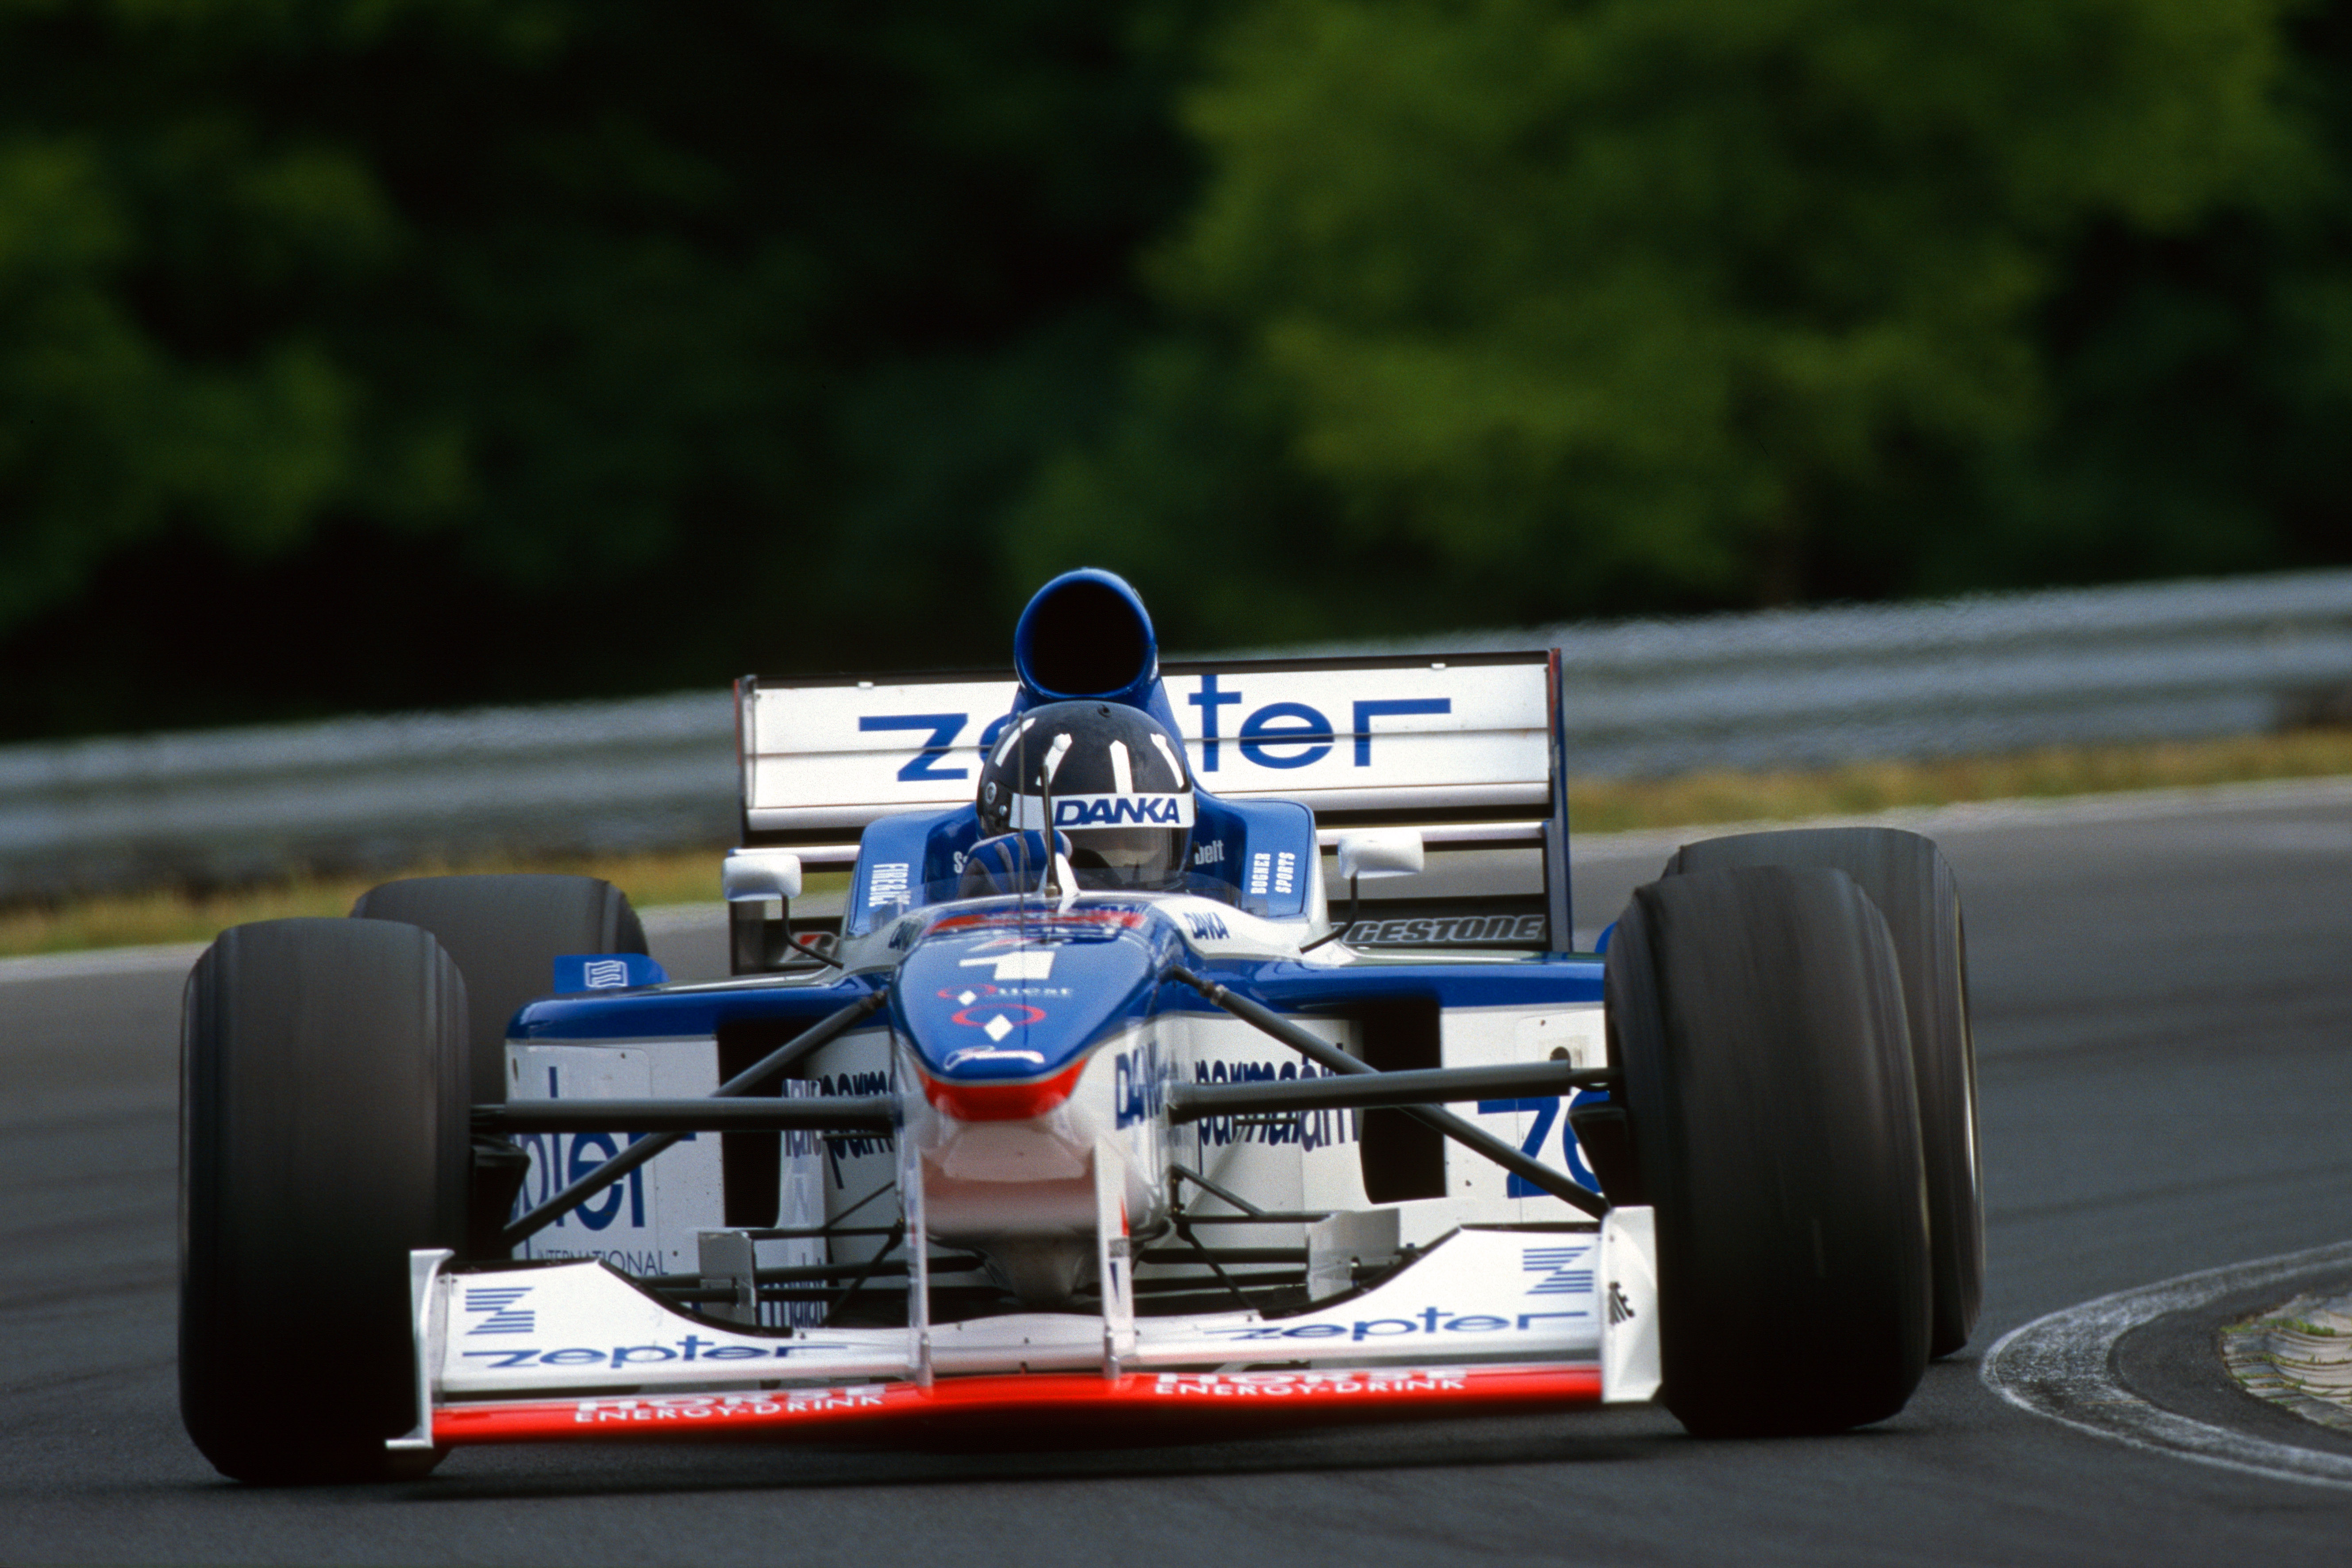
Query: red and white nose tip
x=998, y=1100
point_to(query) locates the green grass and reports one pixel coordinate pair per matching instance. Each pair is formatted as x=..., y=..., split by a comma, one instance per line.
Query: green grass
x=168, y=915
x=1603, y=806
x=1863, y=789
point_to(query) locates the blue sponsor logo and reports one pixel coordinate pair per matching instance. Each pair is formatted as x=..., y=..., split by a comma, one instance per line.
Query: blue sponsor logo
x=944, y=728
x=1278, y=735
x=1205, y=926
x=853, y=1145
x=1293, y=735
x=1547, y=1115
x=579, y=971
x=501, y=1316
x=1285, y=735
x=1564, y=1270
x=625, y=1260
x=1428, y=1320
x=559, y=1159
x=1119, y=810
x=1138, y=1089
x=693, y=1347
x=1310, y=1129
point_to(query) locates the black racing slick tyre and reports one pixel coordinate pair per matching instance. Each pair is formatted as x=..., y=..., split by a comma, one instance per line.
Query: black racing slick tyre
x=506, y=933
x=1912, y=884
x=1757, y=1022
x=323, y=1138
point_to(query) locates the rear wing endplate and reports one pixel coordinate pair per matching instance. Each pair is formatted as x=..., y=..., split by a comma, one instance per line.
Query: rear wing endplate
x=1465, y=748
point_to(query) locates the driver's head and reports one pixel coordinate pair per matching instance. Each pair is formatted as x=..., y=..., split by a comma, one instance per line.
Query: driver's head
x=1114, y=780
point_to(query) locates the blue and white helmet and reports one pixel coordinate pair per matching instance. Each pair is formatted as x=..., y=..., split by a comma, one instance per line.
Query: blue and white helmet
x=1110, y=777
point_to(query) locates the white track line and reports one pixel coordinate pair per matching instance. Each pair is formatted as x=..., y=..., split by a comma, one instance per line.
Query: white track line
x=665, y=921
x=180, y=956
x=2061, y=1366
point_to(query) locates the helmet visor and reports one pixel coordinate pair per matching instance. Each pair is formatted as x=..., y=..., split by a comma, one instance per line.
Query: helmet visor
x=1128, y=858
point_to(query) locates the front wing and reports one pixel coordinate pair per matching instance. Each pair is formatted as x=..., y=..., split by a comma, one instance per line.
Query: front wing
x=1484, y=1319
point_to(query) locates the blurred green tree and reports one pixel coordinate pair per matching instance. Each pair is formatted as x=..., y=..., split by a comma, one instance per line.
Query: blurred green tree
x=369, y=354
x=372, y=352
x=1574, y=306
x=2199, y=380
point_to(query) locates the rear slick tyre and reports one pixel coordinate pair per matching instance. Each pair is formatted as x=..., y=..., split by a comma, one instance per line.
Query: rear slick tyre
x=1912, y=884
x=323, y=1138
x=506, y=933
x=1757, y=1022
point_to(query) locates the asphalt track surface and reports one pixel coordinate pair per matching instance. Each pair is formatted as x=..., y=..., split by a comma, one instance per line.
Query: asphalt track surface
x=2163, y=998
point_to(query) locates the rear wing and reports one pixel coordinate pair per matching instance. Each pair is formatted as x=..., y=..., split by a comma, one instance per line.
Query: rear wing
x=1465, y=748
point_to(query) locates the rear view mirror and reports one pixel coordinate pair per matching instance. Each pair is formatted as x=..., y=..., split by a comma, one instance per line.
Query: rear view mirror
x=751, y=874
x=1380, y=852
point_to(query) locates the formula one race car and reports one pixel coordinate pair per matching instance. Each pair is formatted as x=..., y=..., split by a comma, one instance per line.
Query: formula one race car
x=1110, y=1095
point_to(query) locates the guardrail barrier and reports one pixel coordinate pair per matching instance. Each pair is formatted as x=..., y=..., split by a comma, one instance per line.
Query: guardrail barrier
x=1797, y=687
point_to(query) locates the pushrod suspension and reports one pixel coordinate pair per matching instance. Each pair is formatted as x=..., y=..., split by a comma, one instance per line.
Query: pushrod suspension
x=637, y=1153
x=1329, y=1056
x=1367, y=1091
x=832, y=1113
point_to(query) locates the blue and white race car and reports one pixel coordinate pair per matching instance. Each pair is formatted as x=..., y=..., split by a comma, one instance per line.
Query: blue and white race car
x=1191, y=1045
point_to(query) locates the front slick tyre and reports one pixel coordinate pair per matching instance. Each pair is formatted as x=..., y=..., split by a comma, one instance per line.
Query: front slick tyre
x=1909, y=880
x=1757, y=1017
x=323, y=1137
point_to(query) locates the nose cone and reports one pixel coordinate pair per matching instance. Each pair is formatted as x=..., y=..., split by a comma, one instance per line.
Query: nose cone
x=1001, y=1017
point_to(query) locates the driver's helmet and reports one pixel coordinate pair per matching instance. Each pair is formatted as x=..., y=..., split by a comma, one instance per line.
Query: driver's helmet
x=1113, y=779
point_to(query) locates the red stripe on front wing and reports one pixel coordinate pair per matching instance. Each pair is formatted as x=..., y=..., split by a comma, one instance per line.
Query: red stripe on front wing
x=1337, y=1396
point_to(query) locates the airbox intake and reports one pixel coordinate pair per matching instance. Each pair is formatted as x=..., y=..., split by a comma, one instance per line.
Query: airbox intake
x=1086, y=634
